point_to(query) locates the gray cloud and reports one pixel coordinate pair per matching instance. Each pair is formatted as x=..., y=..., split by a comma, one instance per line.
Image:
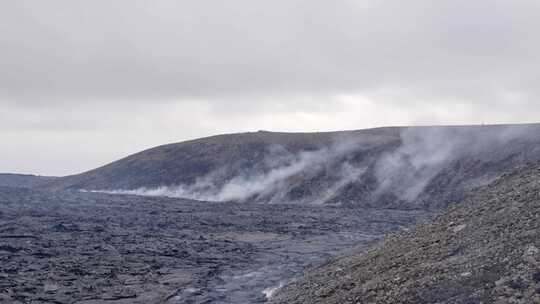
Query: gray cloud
x=109, y=67
x=167, y=49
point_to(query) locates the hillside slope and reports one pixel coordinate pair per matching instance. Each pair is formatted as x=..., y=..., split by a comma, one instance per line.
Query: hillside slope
x=486, y=250
x=23, y=180
x=184, y=162
x=391, y=167
x=220, y=158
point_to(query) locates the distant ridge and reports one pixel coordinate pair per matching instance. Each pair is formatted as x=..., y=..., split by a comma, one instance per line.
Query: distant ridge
x=422, y=166
x=184, y=162
x=23, y=180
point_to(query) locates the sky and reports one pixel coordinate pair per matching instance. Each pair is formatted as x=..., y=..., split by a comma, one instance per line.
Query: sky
x=83, y=83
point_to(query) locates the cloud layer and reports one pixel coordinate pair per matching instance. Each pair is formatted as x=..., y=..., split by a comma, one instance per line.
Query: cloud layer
x=164, y=50
x=171, y=70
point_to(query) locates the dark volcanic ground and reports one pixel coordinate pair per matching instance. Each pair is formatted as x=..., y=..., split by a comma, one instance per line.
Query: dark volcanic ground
x=72, y=247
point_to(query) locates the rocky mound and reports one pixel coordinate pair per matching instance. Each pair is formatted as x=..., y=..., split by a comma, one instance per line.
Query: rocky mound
x=486, y=250
x=404, y=168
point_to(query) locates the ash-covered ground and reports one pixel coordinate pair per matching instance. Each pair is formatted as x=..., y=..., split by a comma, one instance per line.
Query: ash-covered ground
x=72, y=247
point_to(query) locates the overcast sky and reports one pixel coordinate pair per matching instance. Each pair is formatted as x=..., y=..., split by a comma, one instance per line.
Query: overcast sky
x=83, y=83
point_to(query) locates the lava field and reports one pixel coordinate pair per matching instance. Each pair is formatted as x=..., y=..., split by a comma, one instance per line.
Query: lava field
x=74, y=247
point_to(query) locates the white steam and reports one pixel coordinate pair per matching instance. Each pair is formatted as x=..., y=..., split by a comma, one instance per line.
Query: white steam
x=405, y=171
x=425, y=152
x=274, y=182
x=271, y=291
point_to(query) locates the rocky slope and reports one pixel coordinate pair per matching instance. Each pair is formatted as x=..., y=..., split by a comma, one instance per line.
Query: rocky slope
x=24, y=180
x=485, y=250
x=403, y=168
